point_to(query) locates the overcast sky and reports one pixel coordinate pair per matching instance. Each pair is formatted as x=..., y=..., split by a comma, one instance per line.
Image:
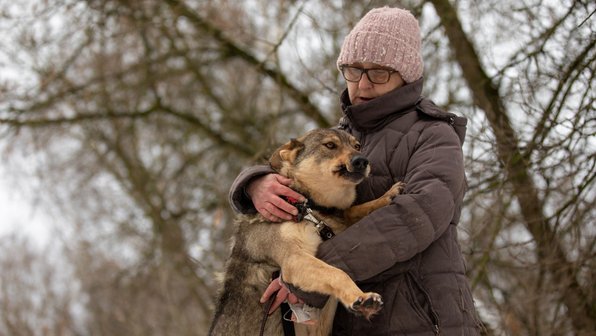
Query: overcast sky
x=19, y=214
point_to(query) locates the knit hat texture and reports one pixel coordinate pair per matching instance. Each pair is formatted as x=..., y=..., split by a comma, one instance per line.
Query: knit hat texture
x=388, y=37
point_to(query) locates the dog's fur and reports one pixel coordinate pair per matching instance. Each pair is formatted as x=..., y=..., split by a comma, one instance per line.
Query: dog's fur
x=325, y=166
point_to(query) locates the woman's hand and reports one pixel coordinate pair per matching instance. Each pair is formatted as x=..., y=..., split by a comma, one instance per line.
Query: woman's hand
x=265, y=193
x=283, y=294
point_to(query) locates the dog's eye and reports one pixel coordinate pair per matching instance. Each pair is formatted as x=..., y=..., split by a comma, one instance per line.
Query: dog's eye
x=357, y=146
x=330, y=145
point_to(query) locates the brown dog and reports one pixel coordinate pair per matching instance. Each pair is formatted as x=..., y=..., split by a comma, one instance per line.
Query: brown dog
x=325, y=166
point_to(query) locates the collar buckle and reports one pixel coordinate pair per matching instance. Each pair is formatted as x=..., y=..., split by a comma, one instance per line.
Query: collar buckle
x=306, y=213
x=324, y=230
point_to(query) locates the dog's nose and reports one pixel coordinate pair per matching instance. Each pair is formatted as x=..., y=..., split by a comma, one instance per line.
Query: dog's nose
x=359, y=163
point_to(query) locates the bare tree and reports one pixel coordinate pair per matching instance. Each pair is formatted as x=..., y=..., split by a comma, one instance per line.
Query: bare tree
x=546, y=160
x=37, y=298
x=138, y=115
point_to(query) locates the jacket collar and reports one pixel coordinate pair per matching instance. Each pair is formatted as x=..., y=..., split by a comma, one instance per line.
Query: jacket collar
x=372, y=114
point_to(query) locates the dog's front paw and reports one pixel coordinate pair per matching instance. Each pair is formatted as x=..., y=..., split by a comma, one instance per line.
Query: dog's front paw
x=395, y=190
x=367, y=305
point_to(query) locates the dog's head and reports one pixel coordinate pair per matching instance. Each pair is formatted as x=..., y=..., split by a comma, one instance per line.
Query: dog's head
x=326, y=164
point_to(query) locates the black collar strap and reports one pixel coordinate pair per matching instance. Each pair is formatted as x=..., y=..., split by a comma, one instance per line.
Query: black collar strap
x=324, y=230
x=302, y=206
x=305, y=212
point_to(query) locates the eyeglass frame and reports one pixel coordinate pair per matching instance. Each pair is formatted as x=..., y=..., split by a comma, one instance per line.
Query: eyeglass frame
x=365, y=71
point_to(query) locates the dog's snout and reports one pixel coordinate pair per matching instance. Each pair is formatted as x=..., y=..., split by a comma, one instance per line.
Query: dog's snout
x=359, y=163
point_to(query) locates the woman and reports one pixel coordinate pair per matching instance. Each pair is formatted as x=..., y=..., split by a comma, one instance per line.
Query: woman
x=408, y=251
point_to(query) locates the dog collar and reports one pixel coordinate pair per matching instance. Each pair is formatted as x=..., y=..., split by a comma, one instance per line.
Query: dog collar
x=301, y=206
x=305, y=212
x=324, y=230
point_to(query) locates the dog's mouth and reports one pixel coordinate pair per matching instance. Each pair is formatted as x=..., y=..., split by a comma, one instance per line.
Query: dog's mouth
x=352, y=176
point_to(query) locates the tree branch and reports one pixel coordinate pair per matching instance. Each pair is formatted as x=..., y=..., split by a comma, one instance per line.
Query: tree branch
x=234, y=49
x=486, y=96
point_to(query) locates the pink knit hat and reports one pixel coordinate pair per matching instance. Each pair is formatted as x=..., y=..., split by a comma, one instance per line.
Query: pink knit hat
x=388, y=37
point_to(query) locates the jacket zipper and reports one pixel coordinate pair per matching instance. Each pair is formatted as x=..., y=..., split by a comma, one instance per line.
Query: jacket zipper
x=433, y=314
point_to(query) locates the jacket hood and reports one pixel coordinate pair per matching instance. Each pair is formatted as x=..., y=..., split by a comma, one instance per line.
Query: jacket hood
x=458, y=123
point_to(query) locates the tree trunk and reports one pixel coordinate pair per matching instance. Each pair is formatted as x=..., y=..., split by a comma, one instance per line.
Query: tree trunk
x=550, y=253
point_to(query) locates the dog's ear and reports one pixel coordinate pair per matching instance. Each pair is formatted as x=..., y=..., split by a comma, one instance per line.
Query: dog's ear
x=287, y=153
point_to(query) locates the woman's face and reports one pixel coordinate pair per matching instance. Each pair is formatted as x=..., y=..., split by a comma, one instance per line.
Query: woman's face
x=364, y=90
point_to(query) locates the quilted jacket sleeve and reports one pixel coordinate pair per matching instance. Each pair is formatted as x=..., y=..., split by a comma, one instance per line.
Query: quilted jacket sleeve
x=238, y=198
x=435, y=184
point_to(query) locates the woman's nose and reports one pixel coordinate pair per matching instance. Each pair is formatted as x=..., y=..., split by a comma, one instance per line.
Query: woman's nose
x=364, y=82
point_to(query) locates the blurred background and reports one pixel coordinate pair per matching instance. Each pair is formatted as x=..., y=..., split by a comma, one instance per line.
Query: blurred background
x=123, y=124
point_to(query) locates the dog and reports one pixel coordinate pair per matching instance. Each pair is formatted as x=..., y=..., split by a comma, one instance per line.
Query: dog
x=325, y=166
